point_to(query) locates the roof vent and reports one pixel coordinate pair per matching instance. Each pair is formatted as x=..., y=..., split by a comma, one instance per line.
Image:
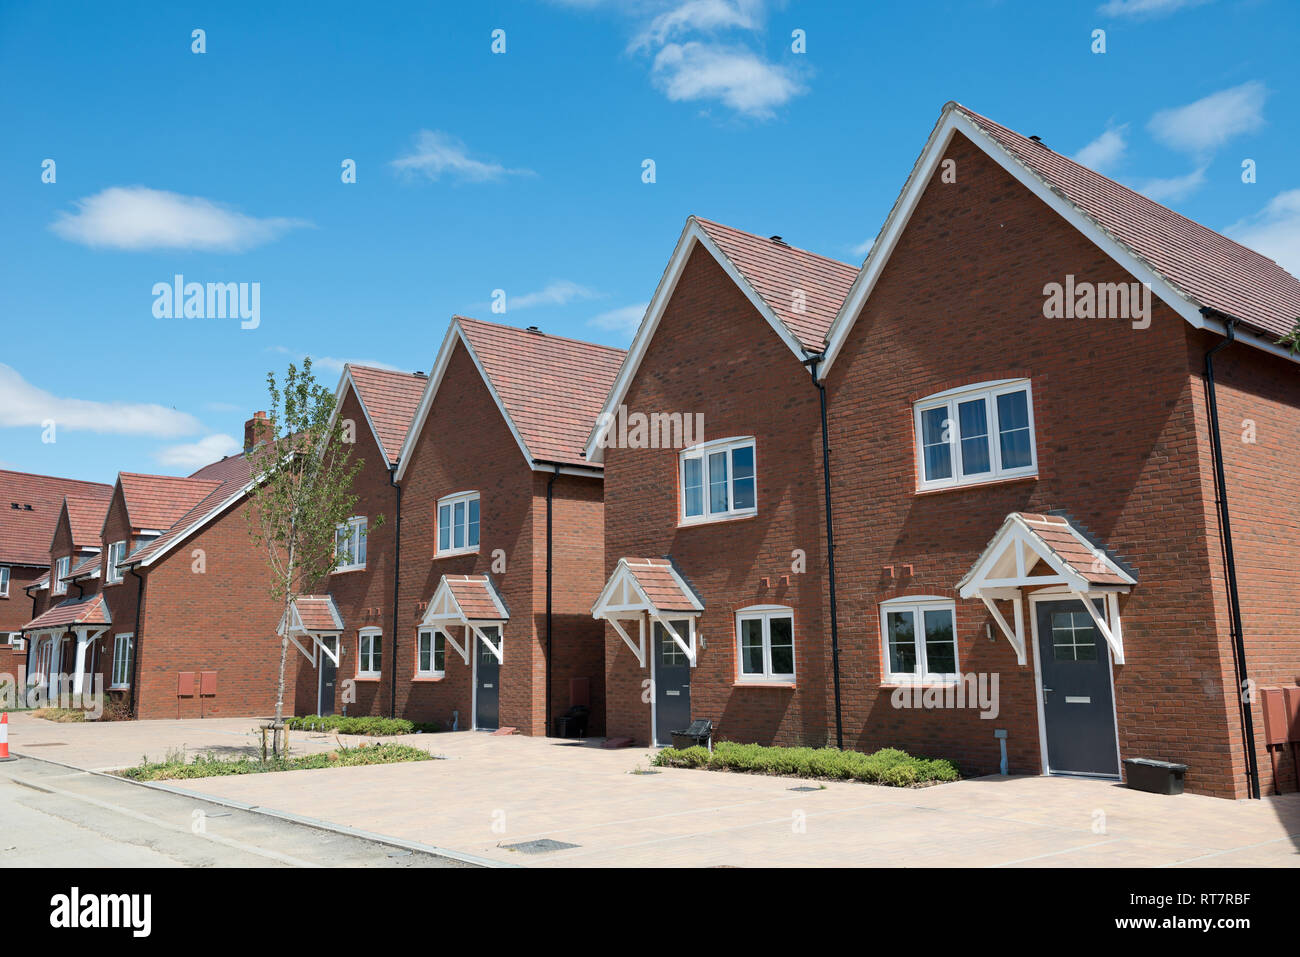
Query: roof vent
x=778, y=239
x=27, y=508
x=533, y=329
x=1038, y=140
x=15, y=505
x=421, y=373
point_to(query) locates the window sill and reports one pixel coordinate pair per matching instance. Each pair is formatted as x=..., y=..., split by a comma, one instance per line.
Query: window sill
x=373, y=677
x=742, y=683
x=119, y=687
x=344, y=569
x=455, y=553
x=920, y=683
x=693, y=522
x=965, y=486
x=429, y=679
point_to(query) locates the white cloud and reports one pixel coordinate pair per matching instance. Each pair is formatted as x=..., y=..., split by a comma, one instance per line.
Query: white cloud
x=1172, y=188
x=23, y=404
x=698, y=15
x=1105, y=151
x=558, y=293
x=861, y=249
x=737, y=77
x=136, y=217
x=1213, y=120
x=1274, y=231
x=330, y=363
x=623, y=319
x=437, y=153
x=1141, y=9
x=195, y=455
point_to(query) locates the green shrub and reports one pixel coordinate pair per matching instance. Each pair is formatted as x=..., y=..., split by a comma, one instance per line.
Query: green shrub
x=888, y=766
x=207, y=766
x=365, y=724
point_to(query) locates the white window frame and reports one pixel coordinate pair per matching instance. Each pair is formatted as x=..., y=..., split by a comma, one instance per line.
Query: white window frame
x=4, y=581
x=128, y=640
x=765, y=614
x=988, y=392
x=918, y=605
x=62, y=566
x=450, y=502
x=112, y=571
x=357, y=528
x=365, y=652
x=701, y=454
x=433, y=671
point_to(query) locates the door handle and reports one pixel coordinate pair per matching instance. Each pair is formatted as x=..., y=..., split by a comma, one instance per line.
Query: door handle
x=1045, y=690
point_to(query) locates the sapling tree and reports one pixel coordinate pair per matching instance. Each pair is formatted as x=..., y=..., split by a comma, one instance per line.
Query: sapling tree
x=302, y=474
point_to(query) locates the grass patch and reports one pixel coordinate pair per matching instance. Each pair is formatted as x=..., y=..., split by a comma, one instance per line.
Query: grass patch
x=60, y=715
x=888, y=766
x=376, y=727
x=206, y=766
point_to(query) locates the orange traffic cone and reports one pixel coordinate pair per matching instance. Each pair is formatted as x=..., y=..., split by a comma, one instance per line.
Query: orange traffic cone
x=4, y=737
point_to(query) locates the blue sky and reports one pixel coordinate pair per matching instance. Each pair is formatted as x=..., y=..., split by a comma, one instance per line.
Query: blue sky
x=522, y=170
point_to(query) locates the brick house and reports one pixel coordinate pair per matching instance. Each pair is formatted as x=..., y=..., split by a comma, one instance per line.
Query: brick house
x=169, y=605
x=997, y=469
x=501, y=541
x=716, y=586
x=376, y=407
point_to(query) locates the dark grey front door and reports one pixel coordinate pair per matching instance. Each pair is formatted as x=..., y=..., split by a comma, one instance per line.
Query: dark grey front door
x=487, y=688
x=1078, y=712
x=672, y=683
x=328, y=674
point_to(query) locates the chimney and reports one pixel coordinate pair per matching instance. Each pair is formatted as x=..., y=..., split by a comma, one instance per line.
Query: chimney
x=257, y=429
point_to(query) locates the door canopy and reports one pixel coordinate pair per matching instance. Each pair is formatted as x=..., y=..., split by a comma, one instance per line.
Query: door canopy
x=1034, y=551
x=311, y=618
x=470, y=602
x=648, y=591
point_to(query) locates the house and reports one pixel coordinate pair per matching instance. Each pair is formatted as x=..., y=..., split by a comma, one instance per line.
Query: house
x=170, y=605
x=716, y=591
x=29, y=510
x=1024, y=473
x=501, y=536
x=375, y=407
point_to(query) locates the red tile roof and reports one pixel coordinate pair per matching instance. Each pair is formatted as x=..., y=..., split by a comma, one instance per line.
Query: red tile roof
x=1073, y=548
x=476, y=597
x=1211, y=269
x=391, y=399
x=318, y=613
x=26, y=533
x=86, y=567
x=656, y=579
x=225, y=479
x=777, y=271
x=90, y=610
x=86, y=519
x=157, y=501
x=552, y=387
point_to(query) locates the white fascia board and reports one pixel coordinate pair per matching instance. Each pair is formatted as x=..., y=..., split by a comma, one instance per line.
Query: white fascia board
x=346, y=384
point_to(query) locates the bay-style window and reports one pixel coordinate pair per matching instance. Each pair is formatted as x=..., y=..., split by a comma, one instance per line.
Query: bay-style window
x=919, y=635
x=718, y=480
x=975, y=434
x=458, y=523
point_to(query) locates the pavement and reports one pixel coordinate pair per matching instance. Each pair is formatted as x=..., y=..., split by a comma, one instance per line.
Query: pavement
x=596, y=807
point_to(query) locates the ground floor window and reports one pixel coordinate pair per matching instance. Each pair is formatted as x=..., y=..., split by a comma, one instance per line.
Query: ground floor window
x=920, y=639
x=369, y=654
x=121, y=677
x=431, y=654
x=765, y=644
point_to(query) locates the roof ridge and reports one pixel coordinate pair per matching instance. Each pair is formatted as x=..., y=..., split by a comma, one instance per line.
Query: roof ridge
x=782, y=243
x=457, y=317
x=57, y=478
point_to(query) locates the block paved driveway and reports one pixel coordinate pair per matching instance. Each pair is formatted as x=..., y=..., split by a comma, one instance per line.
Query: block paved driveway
x=495, y=791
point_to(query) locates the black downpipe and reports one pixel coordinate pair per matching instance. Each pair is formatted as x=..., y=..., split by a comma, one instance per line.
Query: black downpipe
x=550, y=496
x=397, y=574
x=1229, y=558
x=135, y=637
x=812, y=362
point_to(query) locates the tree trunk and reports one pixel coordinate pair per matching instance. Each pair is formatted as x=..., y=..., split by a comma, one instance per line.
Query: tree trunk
x=284, y=655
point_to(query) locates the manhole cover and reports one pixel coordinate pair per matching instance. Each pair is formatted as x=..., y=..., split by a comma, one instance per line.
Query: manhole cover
x=539, y=847
x=806, y=787
x=47, y=744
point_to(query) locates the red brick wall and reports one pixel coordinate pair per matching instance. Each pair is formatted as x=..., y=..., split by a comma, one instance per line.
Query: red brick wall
x=960, y=302
x=713, y=353
x=222, y=619
x=1259, y=400
x=364, y=597
x=16, y=611
x=466, y=445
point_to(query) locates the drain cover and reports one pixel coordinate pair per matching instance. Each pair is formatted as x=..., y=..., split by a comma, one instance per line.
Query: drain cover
x=47, y=744
x=539, y=847
x=805, y=787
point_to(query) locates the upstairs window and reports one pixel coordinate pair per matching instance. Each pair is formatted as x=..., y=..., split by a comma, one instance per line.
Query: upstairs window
x=350, y=544
x=977, y=434
x=116, y=555
x=458, y=523
x=57, y=585
x=4, y=581
x=718, y=481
